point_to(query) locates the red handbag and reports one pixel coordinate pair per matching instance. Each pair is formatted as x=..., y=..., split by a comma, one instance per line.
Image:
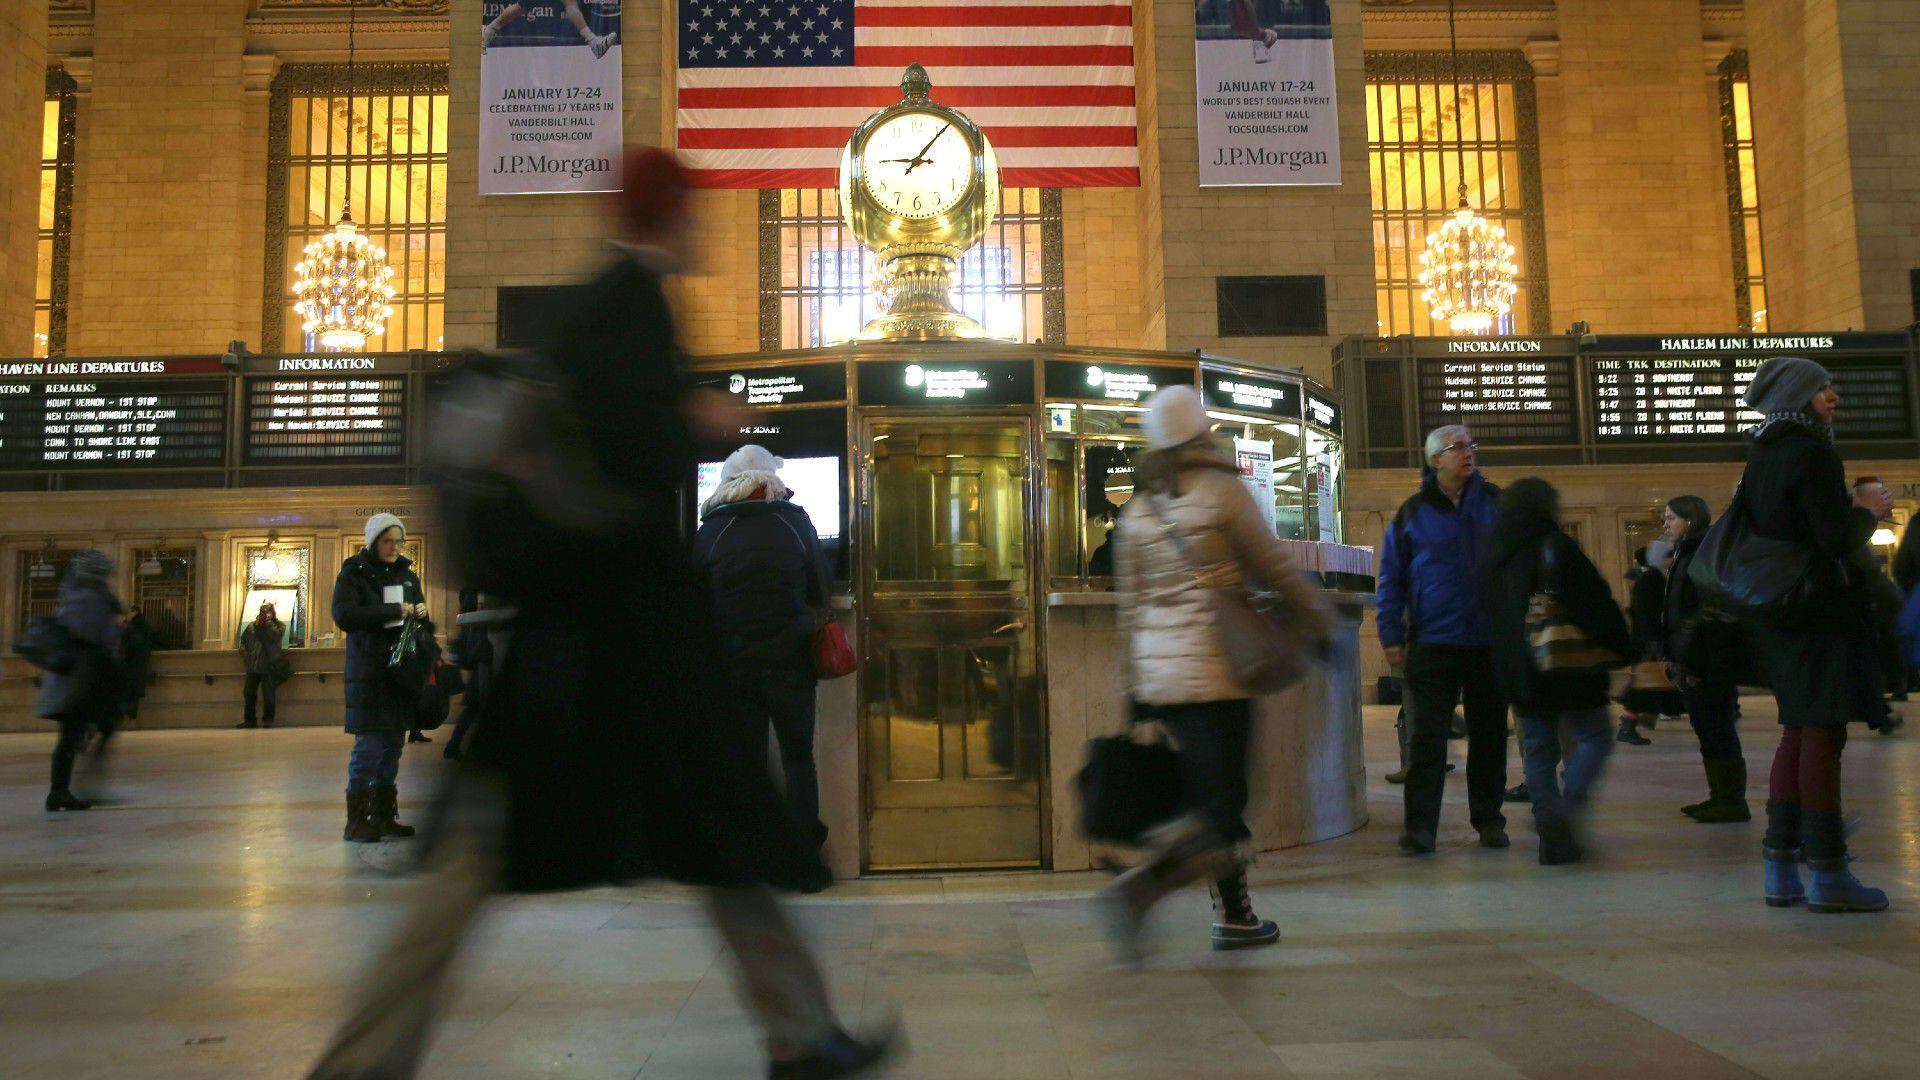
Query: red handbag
x=832, y=654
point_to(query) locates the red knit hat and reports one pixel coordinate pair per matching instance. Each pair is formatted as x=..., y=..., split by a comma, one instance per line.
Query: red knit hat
x=657, y=186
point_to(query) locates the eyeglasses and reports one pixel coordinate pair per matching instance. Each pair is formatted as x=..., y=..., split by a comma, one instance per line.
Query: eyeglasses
x=1462, y=447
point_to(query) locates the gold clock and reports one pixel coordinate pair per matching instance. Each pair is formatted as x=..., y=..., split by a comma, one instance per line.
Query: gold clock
x=918, y=185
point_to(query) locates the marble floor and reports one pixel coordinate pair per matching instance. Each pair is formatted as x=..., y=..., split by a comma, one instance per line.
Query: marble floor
x=207, y=923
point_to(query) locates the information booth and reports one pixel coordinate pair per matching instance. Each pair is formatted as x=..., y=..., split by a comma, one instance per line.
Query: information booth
x=969, y=491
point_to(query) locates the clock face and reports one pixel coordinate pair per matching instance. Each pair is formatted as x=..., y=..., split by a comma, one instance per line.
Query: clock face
x=917, y=165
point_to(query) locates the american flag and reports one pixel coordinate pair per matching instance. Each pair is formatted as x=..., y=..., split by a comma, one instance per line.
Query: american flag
x=769, y=90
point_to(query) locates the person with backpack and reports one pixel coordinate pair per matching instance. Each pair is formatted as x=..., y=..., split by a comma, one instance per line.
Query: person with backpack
x=374, y=595
x=767, y=576
x=1702, y=672
x=82, y=688
x=1530, y=558
x=1432, y=627
x=1821, y=658
x=262, y=646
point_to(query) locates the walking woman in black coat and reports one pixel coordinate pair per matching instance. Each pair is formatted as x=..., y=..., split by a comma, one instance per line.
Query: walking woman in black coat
x=89, y=695
x=1712, y=696
x=602, y=754
x=1823, y=668
x=1529, y=554
x=376, y=590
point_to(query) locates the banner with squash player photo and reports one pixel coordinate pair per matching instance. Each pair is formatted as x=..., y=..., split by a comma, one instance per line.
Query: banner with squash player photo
x=1264, y=76
x=550, y=119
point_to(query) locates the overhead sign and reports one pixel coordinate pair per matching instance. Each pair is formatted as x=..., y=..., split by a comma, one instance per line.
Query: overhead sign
x=1518, y=401
x=112, y=423
x=1231, y=391
x=550, y=118
x=982, y=382
x=1130, y=383
x=1267, y=113
x=1323, y=411
x=800, y=384
x=337, y=420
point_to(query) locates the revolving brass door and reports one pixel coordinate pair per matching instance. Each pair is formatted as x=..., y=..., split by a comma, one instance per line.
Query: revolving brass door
x=954, y=761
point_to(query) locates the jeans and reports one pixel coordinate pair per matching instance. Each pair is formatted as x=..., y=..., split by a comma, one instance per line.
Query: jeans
x=1212, y=740
x=1558, y=799
x=261, y=686
x=1438, y=677
x=1713, y=710
x=73, y=735
x=375, y=761
x=787, y=703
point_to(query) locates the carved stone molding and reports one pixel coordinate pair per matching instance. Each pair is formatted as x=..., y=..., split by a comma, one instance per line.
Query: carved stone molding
x=1544, y=55
x=257, y=71
x=70, y=9
x=309, y=7
x=80, y=70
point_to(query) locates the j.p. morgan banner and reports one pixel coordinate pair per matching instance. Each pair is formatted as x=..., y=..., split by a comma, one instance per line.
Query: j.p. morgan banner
x=1264, y=71
x=549, y=96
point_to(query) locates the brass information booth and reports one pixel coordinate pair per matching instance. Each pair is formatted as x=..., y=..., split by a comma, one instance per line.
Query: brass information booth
x=982, y=479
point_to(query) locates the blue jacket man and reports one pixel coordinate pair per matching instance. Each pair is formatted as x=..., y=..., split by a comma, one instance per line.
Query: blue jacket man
x=1433, y=628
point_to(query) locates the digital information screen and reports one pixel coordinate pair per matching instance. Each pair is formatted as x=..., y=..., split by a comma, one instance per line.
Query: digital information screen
x=814, y=481
x=112, y=423
x=1507, y=401
x=1682, y=390
x=347, y=419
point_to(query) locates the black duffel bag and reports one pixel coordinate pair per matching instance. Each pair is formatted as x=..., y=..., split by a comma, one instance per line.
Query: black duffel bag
x=1127, y=787
x=1740, y=574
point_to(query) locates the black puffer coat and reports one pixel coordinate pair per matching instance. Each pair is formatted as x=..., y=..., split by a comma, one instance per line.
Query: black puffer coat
x=1509, y=578
x=1825, y=671
x=94, y=689
x=373, y=702
x=610, y=721
x=767, y=576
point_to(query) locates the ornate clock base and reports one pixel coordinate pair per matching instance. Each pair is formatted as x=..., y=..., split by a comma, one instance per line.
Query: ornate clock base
x=921, y=310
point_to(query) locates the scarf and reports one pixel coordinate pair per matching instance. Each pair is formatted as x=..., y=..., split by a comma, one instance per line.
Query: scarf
x=743, y=486
x=1796, y=418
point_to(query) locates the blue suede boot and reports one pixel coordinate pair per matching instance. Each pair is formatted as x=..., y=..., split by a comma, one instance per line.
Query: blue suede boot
x=1783, y=877
x=1832, y=887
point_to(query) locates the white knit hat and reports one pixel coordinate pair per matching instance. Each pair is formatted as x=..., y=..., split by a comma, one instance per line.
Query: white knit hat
x=750, y=458
x=380, y=523
x=1175, y=416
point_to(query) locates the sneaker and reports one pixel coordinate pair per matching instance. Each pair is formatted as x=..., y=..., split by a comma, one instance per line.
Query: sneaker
x=1631, y=735
x=1517, y=793
x=486, y=36
x=1228, y=936
x=599, y=44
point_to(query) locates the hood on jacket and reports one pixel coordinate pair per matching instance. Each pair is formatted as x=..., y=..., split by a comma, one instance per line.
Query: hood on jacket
x=1159, y=470
x=746, y=487
x=754, y=508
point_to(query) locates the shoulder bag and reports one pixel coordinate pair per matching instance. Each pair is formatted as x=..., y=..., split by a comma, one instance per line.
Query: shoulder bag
x=1555, y=643
x=1748, y=576
x=1265, y=644
x=828, y=647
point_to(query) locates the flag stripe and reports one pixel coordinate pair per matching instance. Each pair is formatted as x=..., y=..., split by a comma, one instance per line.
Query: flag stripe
x=943, y=77
x=836, y=136
x=845, y=118
x=1050, y=38
x=1104, y=15
x=899, y=56
x=870, y=98
x=1095, y=176
x=815, y=157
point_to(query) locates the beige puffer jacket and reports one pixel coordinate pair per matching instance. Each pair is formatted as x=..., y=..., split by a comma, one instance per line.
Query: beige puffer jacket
x=1175, y=650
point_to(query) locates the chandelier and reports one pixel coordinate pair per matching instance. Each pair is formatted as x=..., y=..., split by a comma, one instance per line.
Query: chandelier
x=1467, y=270
x=343, y=282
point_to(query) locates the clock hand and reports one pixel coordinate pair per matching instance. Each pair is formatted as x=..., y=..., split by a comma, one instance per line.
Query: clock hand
x=921, y=158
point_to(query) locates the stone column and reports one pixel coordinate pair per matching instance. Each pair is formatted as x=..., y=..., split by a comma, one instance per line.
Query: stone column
x=1835, y=94
x=23, y=84
x=1641, y=232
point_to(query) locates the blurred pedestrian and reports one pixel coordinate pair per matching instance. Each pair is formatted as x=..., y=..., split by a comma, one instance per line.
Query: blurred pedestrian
x=1823, y=664
x=374, y=595
x=1192, y=527
x=473, y=652
x=136, y=659
x=1530, y=556
x=1432, y=627
x=88, y=695
x=1708, y=686
x=602, y=752
x=768, y=579
x=1649, y=693
x=262, y=646
x=1887, y=600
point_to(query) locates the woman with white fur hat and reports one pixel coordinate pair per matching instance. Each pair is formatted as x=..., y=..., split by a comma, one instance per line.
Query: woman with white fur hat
x=376, y=590
x=1192, y=526
x=768, y=579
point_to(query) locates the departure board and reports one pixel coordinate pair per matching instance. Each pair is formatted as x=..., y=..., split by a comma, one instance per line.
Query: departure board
x=79, y=423
x=1652, y=390
x=1520, y=400
x=352, y=418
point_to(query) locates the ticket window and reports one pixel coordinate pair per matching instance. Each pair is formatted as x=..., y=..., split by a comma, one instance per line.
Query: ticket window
x=39, y=574
x=1325, y=479
x=1272, y=456
x=811, y=444
x=280, y=574
x=164, y=582
x=1091, y=453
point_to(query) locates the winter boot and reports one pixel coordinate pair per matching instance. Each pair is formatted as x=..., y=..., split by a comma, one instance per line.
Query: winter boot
x=1832, y=887
x=1727, y=783
x=62, y=799
x=361, y=828
x=386, y=811
x=1783, y=877
x=1183, y=850
x=1630, y=733
x=1235, y=926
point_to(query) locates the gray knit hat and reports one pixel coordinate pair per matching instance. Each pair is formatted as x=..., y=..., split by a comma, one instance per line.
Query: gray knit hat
x=1785, y=384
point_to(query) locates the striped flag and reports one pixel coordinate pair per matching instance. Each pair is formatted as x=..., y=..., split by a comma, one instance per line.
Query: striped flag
x=769, y=90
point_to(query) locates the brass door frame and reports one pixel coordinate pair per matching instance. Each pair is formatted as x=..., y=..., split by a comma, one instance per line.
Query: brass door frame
x=1030, y=600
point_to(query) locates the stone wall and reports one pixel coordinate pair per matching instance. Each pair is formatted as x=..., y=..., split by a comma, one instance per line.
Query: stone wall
x=23, y=81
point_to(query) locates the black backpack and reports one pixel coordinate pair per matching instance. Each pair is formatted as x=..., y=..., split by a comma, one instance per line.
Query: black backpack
x=48, y=646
